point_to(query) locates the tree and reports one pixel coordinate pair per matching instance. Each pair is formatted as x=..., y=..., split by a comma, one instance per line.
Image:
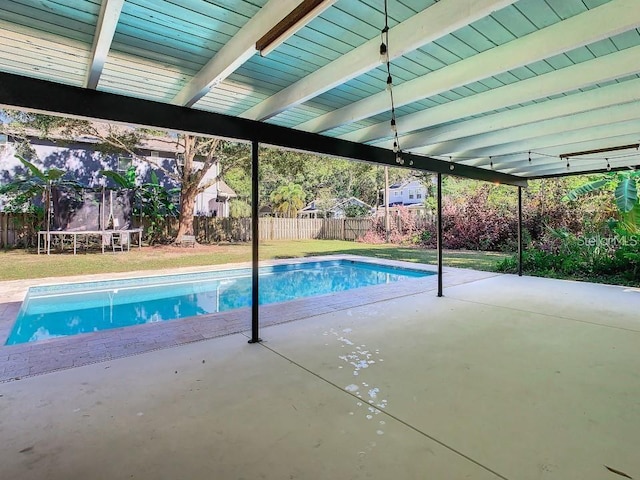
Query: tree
x=288, y=199
x=356, y=211
x=197, y=155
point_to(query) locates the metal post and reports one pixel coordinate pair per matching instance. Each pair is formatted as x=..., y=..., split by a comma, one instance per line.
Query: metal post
x=439, y=196
x=255, y=297
x=520, y=231
x=386, y=203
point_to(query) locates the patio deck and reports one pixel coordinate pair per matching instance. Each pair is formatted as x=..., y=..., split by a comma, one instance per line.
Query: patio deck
x=504, y=377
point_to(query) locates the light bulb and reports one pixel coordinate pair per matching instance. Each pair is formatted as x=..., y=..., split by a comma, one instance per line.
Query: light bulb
x=389, y=83
x=608, y=166
x=395, y=147
x=451, y=167
x=394, y=128
x=384, y=53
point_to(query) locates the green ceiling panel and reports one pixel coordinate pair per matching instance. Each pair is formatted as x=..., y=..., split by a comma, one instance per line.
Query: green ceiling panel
x=566, y=8
x=627, y=39
x=472, y=37
x=559, y=61
x=457, y=47
x=493, y=30
x=440, y=54
x=580, y=55
x=538, y=12
x=512, y=20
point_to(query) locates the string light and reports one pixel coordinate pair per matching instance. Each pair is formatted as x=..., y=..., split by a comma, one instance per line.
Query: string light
x=384, y=58
x=608, y=165
x=384, y=51
x=491, y=160
x=529, y=156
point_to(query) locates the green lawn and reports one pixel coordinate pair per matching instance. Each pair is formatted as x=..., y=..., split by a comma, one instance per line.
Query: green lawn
x=20, y=264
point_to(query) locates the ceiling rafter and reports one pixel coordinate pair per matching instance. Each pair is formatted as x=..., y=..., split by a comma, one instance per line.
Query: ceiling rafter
x=519, y=163
x=432, y=23
x=240, y=48
x=598, y=70
x=105, y=30
x=567, y=123
x=555, y=166
x=588, y=27
x=558, y=140
x=591, y=100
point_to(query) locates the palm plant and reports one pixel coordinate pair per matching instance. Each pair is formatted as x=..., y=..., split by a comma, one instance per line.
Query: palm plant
x=288, y=199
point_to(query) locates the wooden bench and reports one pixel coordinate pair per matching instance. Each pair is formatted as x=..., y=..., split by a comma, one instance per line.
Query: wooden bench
x=187, y=241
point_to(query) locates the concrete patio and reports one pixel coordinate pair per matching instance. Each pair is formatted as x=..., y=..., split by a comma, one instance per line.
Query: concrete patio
x=504, y=377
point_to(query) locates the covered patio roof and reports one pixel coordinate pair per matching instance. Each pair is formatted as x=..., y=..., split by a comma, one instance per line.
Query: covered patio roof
x=499, y=90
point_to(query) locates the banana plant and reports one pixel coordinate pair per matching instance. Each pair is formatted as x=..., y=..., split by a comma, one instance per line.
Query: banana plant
x=23, y=189
x=625, y=189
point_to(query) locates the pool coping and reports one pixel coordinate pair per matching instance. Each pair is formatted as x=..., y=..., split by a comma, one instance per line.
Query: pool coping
x=36, y=358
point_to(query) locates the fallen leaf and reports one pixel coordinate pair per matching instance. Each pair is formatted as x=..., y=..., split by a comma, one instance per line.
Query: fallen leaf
x=617, y=472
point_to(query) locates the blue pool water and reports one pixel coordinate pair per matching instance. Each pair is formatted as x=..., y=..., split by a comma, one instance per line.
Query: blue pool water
x=62, y=310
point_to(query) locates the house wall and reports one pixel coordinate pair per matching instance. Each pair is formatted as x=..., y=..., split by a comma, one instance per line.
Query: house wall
x=84, y=165
x=409, y=194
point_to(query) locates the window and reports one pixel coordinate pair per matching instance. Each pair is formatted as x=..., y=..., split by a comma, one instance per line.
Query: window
x=411, y=194
x=154, y=154
x=397, y=194
x=419, y=195
x=180, y=159
x=123, y=164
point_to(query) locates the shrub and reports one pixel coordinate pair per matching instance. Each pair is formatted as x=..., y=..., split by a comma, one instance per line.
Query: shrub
x=402, y=229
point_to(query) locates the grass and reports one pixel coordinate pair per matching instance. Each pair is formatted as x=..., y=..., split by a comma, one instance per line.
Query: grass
x=21, y=264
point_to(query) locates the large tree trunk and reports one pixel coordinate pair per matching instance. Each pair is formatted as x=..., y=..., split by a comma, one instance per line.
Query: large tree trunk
x=187, y=205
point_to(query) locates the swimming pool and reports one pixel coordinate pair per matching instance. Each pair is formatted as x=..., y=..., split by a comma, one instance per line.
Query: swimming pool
x=70, y=309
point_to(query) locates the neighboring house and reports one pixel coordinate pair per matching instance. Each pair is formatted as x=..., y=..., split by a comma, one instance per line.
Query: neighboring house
x=334, y=208
x=410, y=194
x=84, y=162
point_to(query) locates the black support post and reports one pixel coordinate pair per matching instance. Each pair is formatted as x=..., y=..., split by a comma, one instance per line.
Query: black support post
x=519, y=231
x=255, y=296
x=439, y=196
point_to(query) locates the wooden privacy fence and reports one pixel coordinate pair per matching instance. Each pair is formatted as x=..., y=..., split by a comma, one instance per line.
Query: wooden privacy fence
x=20, y=230
x=313, y=228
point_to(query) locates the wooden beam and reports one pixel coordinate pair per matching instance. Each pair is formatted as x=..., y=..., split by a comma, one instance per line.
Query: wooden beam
x=596, y=24
x=430, y=24
x=105, y=30
x=233, y=54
